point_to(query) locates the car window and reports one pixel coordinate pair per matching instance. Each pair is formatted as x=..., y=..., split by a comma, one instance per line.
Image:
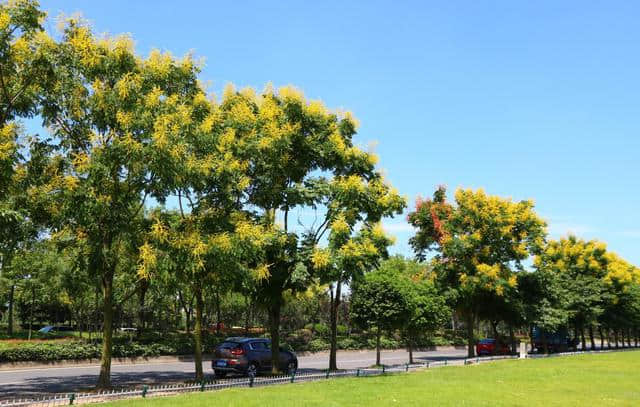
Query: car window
x=229, y=345
x=267, y=345
x=258, y=346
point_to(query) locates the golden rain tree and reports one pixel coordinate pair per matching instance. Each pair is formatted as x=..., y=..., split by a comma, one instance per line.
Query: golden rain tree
x=25, y=72
x=581, y=267
x=622, y=294
x=356, y=241
x=300, y=155
x=116, y=123
x=479, y=244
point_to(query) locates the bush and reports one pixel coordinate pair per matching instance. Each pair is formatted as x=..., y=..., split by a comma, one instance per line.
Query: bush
x=170, y=344
x=318, y=345
x=300, y=339
x=350, y=344
x=341, y=330
x=321, y=330
x=385, y=343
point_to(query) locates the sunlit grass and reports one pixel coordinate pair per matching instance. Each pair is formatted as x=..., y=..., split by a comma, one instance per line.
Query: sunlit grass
x=594, y=379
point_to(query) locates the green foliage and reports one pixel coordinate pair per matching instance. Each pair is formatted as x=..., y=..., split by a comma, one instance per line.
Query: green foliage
x=321, y=330
x=318, y=345
x=380, y=300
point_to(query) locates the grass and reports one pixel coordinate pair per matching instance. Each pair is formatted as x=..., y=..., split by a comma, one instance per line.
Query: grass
x=593, y=379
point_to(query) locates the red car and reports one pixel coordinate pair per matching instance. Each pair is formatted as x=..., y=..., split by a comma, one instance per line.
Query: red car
x=491, y=347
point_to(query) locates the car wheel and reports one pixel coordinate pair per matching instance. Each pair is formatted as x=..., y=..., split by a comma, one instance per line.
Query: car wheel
x=291, y=367
x=219, y=374
x=252, y=370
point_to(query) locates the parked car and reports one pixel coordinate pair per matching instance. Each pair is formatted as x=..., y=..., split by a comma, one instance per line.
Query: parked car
x=128, y=329
x=491, y=346
x=249, y=356
x=50, y=329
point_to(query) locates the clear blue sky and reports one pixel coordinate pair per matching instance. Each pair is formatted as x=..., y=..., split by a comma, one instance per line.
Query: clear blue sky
x=525, y=99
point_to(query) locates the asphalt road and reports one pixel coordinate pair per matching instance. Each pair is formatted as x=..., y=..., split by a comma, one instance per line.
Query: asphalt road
x=30, y=382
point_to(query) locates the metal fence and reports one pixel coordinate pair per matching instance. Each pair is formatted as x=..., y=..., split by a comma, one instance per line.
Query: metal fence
x=296, y=377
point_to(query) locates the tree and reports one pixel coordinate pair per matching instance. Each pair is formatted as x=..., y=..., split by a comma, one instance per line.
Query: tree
x=24, y=72
x=346, y=259
x=619, y=280
x=381, y=300
x=428, y=308
x=581, y=267
x=116, y=120
x=545, y=301
x=480, y=243
x=202, y=251
x=301, y=155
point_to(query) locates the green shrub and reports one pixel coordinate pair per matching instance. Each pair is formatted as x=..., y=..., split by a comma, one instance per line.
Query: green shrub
x=350, y=344
x=318, y=345
x=321, y=330
x=385, y=343
x=342, y=330
x=300, y=339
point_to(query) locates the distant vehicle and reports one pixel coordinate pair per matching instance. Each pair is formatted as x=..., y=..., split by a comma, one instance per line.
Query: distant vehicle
x=249, y=356
x=49, y=329
x=491, y=346
x=558, y=341
x=128, y=329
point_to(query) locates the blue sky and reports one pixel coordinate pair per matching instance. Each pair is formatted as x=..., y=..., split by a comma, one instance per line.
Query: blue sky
x=533, y=100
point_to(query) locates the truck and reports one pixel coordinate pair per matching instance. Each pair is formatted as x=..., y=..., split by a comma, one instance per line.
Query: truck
x=558, y=341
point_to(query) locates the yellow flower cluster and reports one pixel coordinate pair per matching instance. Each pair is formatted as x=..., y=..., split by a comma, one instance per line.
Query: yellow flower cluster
x=491, y=272
x=261, y=272
x=7, y=145
x=339, y=226
x=147, y=260
x=320, y=258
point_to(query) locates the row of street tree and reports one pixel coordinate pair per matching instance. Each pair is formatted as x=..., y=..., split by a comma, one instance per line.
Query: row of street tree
x=142, y=183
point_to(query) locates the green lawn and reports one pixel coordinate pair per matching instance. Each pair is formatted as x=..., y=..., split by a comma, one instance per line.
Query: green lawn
x=586, y=380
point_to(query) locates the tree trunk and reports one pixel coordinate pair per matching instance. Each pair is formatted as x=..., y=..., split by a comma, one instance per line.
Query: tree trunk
x=545, y=345
x=378, y=334
x=218, y=312
x=601, y=337
x=274, y=330
x=533, y=344
x=471, y=351
x=11, y=300
x=33, y=300
x=582, y=339
x=197, y=335
x=615, y=337
x=496, y=335
x=247, y=315
x=512, y=339
x=104, y=380
x=142, y=294
x=333, y=350
x=592, y=338
x=410, y=346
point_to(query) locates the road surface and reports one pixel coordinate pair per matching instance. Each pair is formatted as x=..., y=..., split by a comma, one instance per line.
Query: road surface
x=28, y=382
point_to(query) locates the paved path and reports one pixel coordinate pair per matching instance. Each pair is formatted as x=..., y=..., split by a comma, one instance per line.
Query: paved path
x=34, y=381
